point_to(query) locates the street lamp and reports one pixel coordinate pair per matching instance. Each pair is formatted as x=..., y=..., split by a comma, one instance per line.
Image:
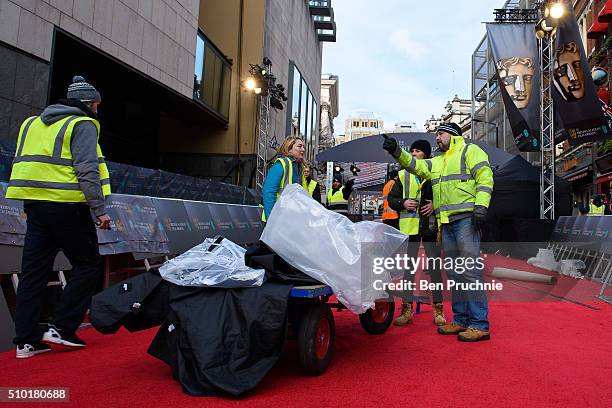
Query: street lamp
x=496, y=129
x=556, y=10
x=250, y=84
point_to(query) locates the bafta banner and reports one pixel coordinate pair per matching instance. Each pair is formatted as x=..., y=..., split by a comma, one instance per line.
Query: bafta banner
x=574, y=94
x=515, y=53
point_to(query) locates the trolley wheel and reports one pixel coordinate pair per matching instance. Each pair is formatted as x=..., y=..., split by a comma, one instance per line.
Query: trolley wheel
x=378, y=320
x=316, y=339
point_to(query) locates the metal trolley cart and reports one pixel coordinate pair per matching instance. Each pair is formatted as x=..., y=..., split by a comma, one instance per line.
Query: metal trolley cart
x=311, y=321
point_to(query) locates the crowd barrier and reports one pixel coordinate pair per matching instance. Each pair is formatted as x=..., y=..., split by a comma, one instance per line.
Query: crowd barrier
x=149, y=225
x=142, y=226
x=588, y=239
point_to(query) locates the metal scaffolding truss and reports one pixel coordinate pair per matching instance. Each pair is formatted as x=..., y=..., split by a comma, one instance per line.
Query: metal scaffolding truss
x=547, y=175
x=262, y=134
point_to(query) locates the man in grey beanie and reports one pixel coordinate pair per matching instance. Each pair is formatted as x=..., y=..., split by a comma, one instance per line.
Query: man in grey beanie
x=60, y=174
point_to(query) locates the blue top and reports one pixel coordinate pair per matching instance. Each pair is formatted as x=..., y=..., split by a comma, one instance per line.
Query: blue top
x=272, y=183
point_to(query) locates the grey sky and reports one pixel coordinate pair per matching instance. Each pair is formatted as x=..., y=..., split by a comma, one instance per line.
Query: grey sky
x=396, y=57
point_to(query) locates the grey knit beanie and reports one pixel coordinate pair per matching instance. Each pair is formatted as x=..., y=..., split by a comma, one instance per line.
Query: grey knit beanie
x=81, y=90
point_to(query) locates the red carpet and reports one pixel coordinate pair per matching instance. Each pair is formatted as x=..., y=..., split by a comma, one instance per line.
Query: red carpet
x=546, y=354
x=540, y=354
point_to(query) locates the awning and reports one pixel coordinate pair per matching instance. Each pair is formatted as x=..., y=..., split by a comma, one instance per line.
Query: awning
x=578, y=174
x=604, y=179
x=605, y=14
x=597, y=29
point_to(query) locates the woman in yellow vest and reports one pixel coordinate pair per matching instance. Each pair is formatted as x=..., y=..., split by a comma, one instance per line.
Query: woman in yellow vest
x=311, y=185
x=287, y=168
x=413, y=197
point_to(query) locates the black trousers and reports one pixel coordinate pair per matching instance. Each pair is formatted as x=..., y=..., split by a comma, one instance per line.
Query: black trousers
x=51, y=227
x=432, y=250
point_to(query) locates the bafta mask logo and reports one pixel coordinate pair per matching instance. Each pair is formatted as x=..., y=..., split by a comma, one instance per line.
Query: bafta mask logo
x=516, y=74
x=569, y=76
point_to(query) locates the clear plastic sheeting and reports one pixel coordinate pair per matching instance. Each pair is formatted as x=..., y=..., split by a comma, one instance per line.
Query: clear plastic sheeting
x=545, y=259
x=570, y=267
x=330, y=248
x=217, y=262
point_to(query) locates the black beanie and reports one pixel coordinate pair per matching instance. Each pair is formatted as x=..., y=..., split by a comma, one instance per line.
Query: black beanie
x=422, y=145
x=451, y=128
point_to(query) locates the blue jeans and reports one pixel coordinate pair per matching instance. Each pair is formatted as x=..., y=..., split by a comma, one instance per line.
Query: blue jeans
x=461, y=240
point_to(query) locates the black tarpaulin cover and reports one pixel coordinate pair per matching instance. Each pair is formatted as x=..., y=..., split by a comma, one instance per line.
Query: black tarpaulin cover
x=223, y=341
x=137, y=303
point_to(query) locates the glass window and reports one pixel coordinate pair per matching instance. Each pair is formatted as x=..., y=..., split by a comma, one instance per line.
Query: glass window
x=199, y=67
x=295, y=102
x=212, y=80
x=303, y=109
x=314, y=116
x=355, y=123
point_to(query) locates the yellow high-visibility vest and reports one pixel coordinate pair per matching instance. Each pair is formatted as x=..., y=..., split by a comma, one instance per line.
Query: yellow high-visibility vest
x=43, y=165
x=596, y=211
x=409, y=221
x=311, y=187
x=336, y=201
x=461, y=178
x=285, y=180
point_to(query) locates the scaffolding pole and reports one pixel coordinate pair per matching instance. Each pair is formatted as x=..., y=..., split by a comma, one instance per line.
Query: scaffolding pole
x=547, y=174
x=262, y=136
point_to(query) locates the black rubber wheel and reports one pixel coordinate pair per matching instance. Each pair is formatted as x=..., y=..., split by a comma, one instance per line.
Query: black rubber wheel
x=316, y=339
x=378, y=320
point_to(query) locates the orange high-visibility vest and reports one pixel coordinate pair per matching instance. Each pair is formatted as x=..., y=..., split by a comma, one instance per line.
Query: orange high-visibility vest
x=388, y=212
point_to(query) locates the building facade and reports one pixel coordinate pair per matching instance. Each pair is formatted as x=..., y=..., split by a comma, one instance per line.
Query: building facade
x=171, y=74
x=589, y=166
x=330, y=85
x=403, y=127
x=362, y=124
x=458, y=111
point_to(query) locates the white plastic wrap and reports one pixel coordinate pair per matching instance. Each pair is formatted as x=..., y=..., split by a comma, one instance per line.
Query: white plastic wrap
x=217, y=262
x=570, y=267
x=329, y=247
x=545, y=259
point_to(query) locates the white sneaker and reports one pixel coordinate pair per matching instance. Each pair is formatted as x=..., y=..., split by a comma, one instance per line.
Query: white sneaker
x=54, y=335
x=30, y=350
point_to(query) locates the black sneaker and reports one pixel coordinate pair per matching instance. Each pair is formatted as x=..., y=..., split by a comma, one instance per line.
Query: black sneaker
x=56, y=336
x=30, y=350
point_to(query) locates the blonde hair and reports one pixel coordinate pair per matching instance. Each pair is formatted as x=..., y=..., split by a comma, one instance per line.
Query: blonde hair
x=288, y=144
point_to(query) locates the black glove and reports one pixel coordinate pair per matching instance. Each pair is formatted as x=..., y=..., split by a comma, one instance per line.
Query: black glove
x=479, y=217
x=349, y=183
x=391, y=146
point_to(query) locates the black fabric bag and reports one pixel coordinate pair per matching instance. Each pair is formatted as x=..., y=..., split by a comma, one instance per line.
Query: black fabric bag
x=138, y=303
x=223, y=341
x=260, y=256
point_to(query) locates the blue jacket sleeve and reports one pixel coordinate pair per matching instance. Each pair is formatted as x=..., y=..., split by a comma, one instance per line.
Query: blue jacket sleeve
x=271, y=186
